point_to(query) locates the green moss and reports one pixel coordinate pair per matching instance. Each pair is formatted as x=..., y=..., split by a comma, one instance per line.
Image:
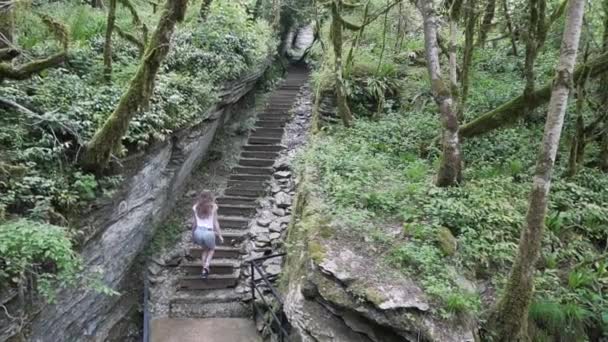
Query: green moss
x=447, y=242
x=374, y=296
x=316, y=251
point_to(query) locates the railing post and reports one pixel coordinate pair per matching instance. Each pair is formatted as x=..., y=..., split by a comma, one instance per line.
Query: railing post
x=253, y=291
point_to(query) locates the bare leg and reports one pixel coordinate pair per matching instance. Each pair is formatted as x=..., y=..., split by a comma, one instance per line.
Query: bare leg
x=204, y=256
x=209, y=257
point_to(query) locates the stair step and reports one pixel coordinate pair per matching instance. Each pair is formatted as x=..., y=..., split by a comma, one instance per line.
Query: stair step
x=237, y=210
x=250, y=170
x=248, y=185
x=229, y=200
x=244, y=192
x=259, y=155
x=256, y=162
x=272, y=132
x=256, y=178
x=263, y=141
x=215, y=267
x=214, y=281
x=277, y=115
x=222, y=252
x=231, y=237
x=233, y=222
x=270, y=123
x=263, y=148
x=231, y=309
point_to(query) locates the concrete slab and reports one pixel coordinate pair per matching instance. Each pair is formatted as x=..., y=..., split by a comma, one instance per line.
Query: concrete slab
x=203, y=330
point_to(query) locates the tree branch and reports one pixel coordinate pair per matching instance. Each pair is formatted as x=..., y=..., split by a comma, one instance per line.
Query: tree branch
x=26, y=70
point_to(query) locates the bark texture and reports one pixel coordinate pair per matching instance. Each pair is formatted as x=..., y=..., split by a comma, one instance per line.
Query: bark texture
x=510, y=111
x=108, y=138
x=604, y=95
x=24, y=71
x=205, y=8
x=505, y=8
x=107, y=47
x=336, y=39
x=486, y=22
x=467, y=58
x=449, y=173
x=7, y=23
x=510, y=321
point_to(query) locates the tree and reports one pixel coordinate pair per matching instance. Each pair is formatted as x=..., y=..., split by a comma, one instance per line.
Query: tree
x=205, y=7
x=467, y=57
x=108, y=138
x=107, y=47
x=336, y=40
x=510, y=319
x=486, y=22
x=26, y=70
x=450, y=169
x=505, y=8
x=7, y=23
x=604, y=96
x=513, y=109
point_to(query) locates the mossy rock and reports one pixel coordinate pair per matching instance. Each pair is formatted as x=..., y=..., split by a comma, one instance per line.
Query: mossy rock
x=447, y=242
x=316, y=251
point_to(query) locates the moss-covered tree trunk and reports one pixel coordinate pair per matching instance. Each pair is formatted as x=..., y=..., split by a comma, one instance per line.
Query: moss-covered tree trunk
x=454, y=10
x=7, y=23
x=205, y=8
x=109, y=137
x=107, y=47
x=450, y=169
x=578, y=140
x=509, y=22
x=514, y=109
x=486, y=22
x=534, y=40
x=467, y=57
x=604, y=95
x=355, y=45
x=336, y=39
x=509, y=322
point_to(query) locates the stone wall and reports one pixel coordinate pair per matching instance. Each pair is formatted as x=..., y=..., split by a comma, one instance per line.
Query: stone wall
x=121, y=228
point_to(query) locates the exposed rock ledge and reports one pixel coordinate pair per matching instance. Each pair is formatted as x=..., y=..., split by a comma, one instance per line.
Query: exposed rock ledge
x=338, y=293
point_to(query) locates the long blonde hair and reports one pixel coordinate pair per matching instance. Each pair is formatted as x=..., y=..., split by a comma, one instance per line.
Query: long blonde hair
x=205, y=204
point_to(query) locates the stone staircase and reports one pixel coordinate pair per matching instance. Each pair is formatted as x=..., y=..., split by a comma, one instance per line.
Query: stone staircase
x=218, y=296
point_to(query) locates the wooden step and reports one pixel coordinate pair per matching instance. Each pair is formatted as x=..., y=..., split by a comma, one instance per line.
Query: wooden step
x=237, y=210
x=233, y=222
x=256, y=178
x=231, y=237
x=214, y=281
x=249, y=170
x=256, y=162
x=244, y=192
x=275, y=114
x=263, y=141
x=221, y=252
x=229, y=200
x=263, y=148
x=270, y=123
x=259, y=155
x=271, y=132
x=243, y=184
x=217, y=266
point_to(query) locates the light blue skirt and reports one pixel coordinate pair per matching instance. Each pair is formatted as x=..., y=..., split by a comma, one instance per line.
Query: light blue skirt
x=204, y=237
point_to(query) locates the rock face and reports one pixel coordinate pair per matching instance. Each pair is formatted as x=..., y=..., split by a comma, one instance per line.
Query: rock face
x=126, y=224
x=338, y=292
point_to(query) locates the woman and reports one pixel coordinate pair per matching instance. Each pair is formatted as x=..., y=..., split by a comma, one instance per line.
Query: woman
x=205, y=227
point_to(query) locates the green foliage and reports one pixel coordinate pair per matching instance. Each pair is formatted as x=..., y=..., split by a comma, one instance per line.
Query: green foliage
x=31, y=249
x=74, y=100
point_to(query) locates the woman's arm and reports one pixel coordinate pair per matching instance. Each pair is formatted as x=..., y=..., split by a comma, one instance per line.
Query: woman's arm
x=193, y=222
x=216, y=225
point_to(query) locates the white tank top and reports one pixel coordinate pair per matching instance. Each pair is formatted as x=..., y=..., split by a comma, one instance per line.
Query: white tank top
x=206, y=222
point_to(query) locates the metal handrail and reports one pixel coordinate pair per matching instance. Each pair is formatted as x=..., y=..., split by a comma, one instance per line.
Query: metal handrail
x=146, y=309
x=254, y=288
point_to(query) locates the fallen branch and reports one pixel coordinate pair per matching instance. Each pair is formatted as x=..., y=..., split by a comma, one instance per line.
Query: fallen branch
x=26, y=70
x=512, y=110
